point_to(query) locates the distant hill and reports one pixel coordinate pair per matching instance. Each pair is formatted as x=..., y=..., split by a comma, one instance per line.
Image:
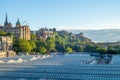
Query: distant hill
x=104, y=35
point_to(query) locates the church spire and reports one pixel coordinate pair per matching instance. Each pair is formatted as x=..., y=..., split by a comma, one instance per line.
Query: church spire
x=6, y=17
x=6, y=21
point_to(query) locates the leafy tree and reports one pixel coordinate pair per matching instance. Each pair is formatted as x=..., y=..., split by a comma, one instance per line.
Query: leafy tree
x=50, y=43
x=22, y=46
x=60, y=43
x=2, y=33
x=68, y=50
x=60, y=46
x=54, y=29
x=102, y=50
x=79, y=49
x=40, y=42
x=42, y=50
x=9, y=34
x=90, y=48
x=33, y=37
x=33, y=45
x=111, y=51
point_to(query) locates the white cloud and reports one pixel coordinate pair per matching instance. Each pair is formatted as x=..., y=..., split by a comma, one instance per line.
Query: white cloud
x=90, y=26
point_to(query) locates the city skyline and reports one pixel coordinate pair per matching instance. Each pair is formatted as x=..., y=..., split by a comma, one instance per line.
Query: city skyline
x=63, y=14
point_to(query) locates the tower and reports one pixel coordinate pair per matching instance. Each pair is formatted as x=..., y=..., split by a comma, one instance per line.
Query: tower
x=6, y=21
x=18, y=23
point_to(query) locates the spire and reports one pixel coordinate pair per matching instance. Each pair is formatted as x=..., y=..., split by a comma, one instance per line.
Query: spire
x=6, y=17
x=6, y=21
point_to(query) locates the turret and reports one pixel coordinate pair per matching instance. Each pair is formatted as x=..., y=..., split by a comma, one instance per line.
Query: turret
x=10, y=25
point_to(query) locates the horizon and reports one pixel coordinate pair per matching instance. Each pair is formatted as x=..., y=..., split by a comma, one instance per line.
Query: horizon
x=69, y=14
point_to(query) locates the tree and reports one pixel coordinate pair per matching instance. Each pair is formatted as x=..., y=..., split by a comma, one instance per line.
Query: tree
x=40, y=43
x=42, y=50
x=50, y=41
x=54, y=29
x=9, y=34
x=2, y=33
x=90, y=48
x=33, y=44
x=101, y=50
x=60, y=46
x=22, y=46
x=111, y=50
x=33, y=37
x=68, y=50
x=79, y=49
x=60, y=42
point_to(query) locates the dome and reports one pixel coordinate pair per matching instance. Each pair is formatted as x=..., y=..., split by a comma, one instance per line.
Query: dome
x=18, y=24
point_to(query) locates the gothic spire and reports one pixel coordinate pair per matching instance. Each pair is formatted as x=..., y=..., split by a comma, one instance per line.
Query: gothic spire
x=6, y=21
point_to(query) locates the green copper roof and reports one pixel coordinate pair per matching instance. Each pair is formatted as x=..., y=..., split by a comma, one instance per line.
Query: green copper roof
x=18, y=22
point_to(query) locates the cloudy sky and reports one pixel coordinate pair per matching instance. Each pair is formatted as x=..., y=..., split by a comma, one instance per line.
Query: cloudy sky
x=62, y=14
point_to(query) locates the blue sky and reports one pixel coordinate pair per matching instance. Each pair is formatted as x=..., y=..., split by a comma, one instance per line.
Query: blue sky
x=63, y=14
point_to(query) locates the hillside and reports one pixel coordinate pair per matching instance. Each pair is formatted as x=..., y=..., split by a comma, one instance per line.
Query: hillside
x=106, y=35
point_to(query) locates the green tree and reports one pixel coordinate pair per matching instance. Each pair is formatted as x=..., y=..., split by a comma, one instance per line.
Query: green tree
x=79, y=49
x=2, y=33
x=68, y=50
x=90, y=48
x=101, y=50
x=42, y=50
x=50, y=41
x=60, y=46
x=22, y=46
x=9, y=34
x=40, y=43
x=60, y=43
x=33, y=45
x=33, y=37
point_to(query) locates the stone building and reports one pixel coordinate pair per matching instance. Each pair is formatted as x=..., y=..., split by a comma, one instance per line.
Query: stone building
x=43, y=33
x=6, y=44
x=18, y=31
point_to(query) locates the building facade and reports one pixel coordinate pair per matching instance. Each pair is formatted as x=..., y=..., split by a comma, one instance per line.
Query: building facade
x=43, y=33
x=6, y=44
x=19, y=31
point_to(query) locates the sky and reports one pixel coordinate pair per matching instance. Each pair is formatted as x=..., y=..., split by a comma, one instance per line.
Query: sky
x=62, y=14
